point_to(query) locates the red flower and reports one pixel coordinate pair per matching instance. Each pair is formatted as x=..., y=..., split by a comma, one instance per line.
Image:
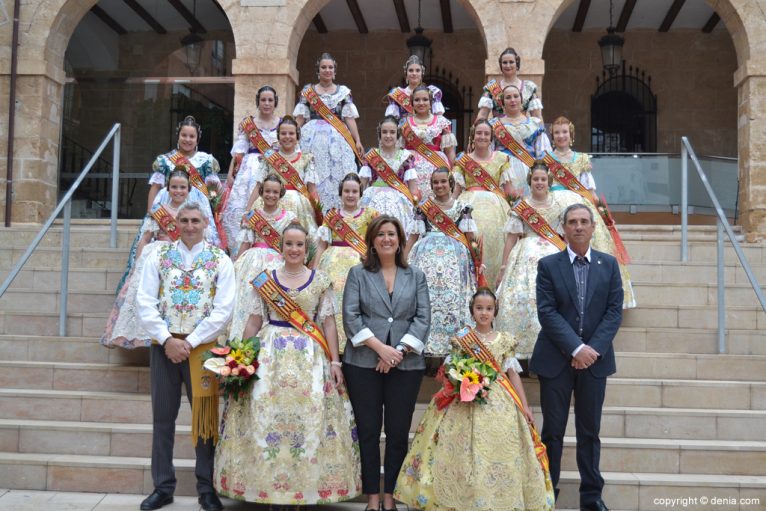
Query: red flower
x=262, y=495
x=343, y=492
x=325, y=493
x=224, y=483
x=221, y=351
x=298, y=495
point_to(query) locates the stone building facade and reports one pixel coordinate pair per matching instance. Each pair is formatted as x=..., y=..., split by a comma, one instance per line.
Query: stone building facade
x=712, y=89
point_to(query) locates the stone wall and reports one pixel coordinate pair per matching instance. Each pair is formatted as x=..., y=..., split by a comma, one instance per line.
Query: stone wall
x=692, y=77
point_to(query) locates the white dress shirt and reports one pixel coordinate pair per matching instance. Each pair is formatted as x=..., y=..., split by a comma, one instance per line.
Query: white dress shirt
x=148, y=298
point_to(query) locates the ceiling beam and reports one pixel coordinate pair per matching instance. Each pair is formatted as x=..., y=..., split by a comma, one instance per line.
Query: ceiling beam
x=103, y=16
x=319, y=24
x=144, y=14
x=670, y=17
x=190, y=18
x=711, y=23
x=401, y=13
x=356, y=13
x=582, y=12
x=446, y=16
x=627, y=10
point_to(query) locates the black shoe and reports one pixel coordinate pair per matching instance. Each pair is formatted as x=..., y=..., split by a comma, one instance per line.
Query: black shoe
x=210, y=502
x=156, y=500
x=594, y=506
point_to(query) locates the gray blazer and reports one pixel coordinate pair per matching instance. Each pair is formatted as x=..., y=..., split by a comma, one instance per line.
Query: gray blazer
x=369, y=311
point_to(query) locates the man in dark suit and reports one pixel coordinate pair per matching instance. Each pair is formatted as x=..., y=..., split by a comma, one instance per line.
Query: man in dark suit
x=579, y=305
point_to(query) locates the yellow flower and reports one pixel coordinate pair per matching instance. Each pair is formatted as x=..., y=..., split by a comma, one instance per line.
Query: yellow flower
x=238, y=355
x=472, y=377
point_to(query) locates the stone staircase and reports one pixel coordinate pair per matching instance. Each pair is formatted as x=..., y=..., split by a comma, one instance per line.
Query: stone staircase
x=680, y=421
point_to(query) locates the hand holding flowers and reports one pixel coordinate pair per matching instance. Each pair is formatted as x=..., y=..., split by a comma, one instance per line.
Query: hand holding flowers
x=235, y=365
x=465, y=377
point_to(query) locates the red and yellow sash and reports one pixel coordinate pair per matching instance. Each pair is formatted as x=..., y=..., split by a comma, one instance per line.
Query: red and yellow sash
x=194, y=176
x=535, y=220
x=384, y=170
x=444, y=223
x=167, y=222
x=494, y=89
x=564, y=176
x=281, y=302
x=402, y=99
x=319, y=107
x=471, y=344
x=504, y=136
x=291, y=175
x=480, y=174
x=254, y=134
x=334, y=220
x=416, y=143
x=264, y=229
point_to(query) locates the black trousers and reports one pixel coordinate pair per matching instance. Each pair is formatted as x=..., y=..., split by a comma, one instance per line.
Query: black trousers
x=167, y=379
x=370, y=393
x=555, y=396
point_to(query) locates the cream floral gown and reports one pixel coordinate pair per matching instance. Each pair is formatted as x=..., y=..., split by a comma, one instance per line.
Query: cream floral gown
x=471, y=457
x=292, y=439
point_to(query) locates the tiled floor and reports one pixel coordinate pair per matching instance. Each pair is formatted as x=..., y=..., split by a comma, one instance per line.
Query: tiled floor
x=28, y=500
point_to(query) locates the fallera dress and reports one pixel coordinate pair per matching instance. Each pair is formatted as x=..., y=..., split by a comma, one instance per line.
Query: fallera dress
x=517, y=292
x=489, y=211
x=384, y=199
x=292, y=439
x=437, y=135
x=475, y=457
x=244, y=183
x=395, y=110
x=530, y=133
x=333, y=157
x=449, y=272
x=529, y=99
x=339, y=258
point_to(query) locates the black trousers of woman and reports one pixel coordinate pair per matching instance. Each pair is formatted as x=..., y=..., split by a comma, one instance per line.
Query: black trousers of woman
x=371, y=393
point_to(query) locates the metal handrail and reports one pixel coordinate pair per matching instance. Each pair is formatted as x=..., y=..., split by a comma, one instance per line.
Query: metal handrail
x=722, y=225
x=65, y=204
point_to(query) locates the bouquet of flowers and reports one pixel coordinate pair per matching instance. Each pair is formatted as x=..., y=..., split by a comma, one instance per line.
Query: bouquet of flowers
x=465, y=377
x=234, y=365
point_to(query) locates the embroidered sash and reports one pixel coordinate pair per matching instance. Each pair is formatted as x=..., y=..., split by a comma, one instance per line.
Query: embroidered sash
x=535, y=220
x=470, y=343
x=278, y=298
x=444, y=223
x=494, y=89
x=254, y=134
x=167, y=222
x=480, y=175
x=384, y=170
x=504, y=136
x=334, y=221
x=291, y=175
x=564, y=176
x=194, y=176
x=421, y=148
x=319, y=107
x=264, y=229
x=402, y=99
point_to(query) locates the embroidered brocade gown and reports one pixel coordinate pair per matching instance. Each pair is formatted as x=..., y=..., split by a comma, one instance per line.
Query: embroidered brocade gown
x=292, y=439
x=602, y=240
x=339, y=258
x=244, y=183
x=333, y=157
x=517, y=292
x=449, y=272
x=530, y=101
x=531, y=135
x=293, y=200
x=384, y=199
x=475, y=457
x=489, y=211
x=436, y=134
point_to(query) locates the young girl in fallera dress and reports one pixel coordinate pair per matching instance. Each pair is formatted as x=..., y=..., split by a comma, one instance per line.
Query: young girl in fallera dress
x=471, y=456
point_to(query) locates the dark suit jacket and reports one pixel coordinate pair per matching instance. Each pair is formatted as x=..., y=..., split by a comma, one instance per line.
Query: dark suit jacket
x=559, y=317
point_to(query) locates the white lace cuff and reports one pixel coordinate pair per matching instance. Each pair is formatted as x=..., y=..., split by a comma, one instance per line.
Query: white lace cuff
x=586, y=178
x=365, y=173
x=468, y=225
x=485, y=102
x=535, y=104
x=459, y=178
x=349, y=111
x=392, y=109
x=448, y=140
x=437, y=108
x=513, y=225
x=302, y=110
x=410, y=174
x=512, y=363
x=158, y=178
x=246, y=235
x=324, y=234
x=418, y=227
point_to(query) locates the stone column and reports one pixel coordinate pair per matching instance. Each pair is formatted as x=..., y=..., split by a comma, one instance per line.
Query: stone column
x=251, y=74
x=750, y=80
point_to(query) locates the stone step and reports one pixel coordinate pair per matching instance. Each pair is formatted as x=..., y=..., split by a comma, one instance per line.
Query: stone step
x=745, y=317
x=80, y=279
x=689, y=340
x=81, y=234
x=699, y=251
x=618, y=454
x=45, y=323
x=632, y=490
x=28, y=300
x=94, y=257
x=694, y=294
x=86, y=350
x=675, y=272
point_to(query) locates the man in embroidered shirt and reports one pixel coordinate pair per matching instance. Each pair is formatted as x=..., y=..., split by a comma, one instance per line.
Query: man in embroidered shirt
x=185, y=299
x=579, y=305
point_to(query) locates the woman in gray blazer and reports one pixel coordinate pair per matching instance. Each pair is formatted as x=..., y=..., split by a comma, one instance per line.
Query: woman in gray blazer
x=386, y=316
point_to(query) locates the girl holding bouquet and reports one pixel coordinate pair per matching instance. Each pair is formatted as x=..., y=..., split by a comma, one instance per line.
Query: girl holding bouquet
x=476, y=447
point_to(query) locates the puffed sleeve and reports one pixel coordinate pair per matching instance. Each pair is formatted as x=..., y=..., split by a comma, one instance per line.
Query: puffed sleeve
x=437, y=107
x=448, y=138
x=466, y=223
x=324, y=234
x=213, y=169
x=327, y=306
x=505, y=171
x=302, y=108
x=310, y=173
x=486, y=101
x=365, y=172
x=349, y=110
x=241, y=143
x=160, y=169
x=459, y=174
x=513, y=225
x=245, y=235
x=542, y=142
x=392, y=109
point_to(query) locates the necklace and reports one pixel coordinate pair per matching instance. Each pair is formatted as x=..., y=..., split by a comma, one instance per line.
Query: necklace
x=447, y=203
x=351, y=213
x=294, y=273
x=536, y=202
x=484, y=336
x=386, y=154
